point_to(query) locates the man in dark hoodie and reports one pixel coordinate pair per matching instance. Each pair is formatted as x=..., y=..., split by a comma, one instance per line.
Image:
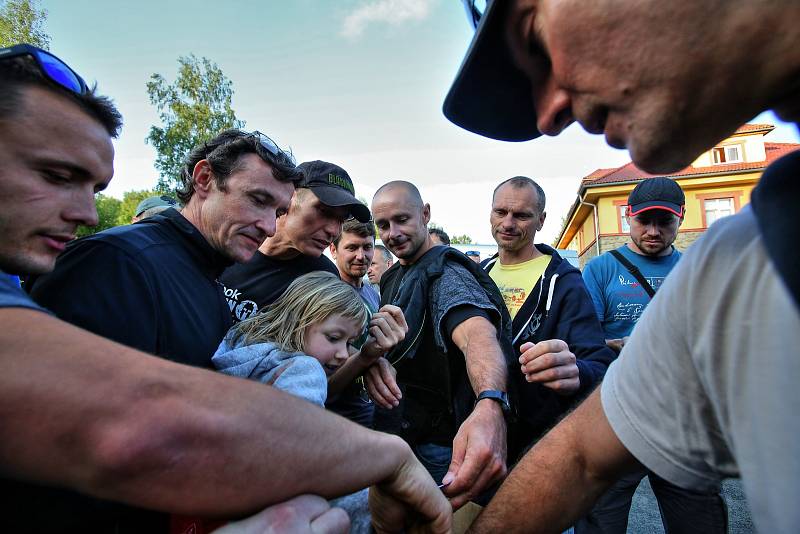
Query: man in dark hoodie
x=554, y=326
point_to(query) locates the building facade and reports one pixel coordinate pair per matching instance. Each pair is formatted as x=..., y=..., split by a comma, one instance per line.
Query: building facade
x=716, y=184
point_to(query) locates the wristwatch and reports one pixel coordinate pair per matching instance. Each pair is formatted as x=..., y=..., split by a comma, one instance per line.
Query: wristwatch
x=500, y=396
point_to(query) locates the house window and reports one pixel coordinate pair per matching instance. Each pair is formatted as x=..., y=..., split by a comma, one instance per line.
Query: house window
x=717, y=208
x=727, y=154
x=623, y=222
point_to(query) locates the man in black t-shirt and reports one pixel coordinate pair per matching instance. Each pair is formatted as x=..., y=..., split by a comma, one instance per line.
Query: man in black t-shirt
x=321, y=203
x=152, y=285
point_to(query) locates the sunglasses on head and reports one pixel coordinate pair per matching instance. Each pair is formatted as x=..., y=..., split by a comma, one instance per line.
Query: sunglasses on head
x=53, y=68
x=475, y=10
x=268, y=144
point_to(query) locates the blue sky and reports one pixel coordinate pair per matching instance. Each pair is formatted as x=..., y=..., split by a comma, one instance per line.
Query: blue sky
x=356, y=82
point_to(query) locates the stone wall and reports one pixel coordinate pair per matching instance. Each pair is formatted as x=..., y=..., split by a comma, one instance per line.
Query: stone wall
x=685, y=239
x=590, y=253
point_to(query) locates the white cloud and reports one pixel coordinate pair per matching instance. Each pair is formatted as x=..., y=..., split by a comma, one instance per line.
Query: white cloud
x=393, y=12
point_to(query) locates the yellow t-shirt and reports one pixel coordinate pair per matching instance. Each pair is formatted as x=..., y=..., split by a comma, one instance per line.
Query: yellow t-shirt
x=517, y=281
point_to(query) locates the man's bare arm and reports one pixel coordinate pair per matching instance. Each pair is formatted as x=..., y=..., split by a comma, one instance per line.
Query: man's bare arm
x=476, y=338
x=479, y=448
x=557, y=482
x=83, y=412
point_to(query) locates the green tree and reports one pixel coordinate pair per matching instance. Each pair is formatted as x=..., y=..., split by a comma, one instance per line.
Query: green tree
x=461, y=240
x=193, y=109
x=22, y=22
x=107, y=213
x=131, y=199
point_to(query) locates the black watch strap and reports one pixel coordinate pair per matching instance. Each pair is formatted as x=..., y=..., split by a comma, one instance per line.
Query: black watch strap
x=499, y=396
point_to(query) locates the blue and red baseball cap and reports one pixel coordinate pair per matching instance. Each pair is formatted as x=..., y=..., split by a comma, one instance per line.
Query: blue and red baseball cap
x=656, y=194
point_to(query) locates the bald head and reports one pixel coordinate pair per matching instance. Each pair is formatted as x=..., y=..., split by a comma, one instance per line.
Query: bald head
x=400, y=189
x=402, y=220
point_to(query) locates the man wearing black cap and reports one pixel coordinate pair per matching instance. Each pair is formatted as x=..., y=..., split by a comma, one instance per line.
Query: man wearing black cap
x=654, y=213
x=621, y=283
x=706, y=386
x=323, y=200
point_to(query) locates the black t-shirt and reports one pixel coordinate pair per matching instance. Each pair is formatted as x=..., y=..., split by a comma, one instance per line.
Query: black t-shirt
x=151, y=286
x=427, y=415
x=251, y=286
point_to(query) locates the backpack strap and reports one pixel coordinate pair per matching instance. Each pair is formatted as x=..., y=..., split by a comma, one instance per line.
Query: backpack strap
x=634, y=270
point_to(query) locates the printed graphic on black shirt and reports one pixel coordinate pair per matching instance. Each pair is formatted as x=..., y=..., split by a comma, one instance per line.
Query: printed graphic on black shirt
x=239, y=310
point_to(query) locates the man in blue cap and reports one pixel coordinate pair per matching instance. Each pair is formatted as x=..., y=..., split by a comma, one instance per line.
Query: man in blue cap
x=621, y=283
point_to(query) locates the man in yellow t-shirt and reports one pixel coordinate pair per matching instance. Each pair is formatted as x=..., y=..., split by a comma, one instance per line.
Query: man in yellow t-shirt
x=516, y=281
x=554, y=326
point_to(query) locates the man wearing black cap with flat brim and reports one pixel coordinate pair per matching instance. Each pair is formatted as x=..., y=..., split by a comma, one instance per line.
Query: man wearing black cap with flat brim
x=621, y=283
x=706, y=386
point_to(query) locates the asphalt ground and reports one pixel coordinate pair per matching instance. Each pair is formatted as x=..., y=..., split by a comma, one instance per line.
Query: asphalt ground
x=645, y=519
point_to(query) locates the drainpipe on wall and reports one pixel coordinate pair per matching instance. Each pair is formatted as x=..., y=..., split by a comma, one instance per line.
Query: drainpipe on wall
x=596, y=227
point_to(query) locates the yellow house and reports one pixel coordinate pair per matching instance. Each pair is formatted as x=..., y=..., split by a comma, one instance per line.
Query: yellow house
x=716, y=184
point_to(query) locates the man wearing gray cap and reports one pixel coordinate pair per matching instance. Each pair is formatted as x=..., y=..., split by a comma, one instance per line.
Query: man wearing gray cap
x=706, y=386
x=152, y=205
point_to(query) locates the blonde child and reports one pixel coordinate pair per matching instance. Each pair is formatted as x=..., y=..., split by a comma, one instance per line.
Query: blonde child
x=299, y=340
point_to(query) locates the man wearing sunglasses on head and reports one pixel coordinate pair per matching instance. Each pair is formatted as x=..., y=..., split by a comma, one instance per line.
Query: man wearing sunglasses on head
x=706, y=386
x=323, y=201
x=81, y=415
x=152, y=285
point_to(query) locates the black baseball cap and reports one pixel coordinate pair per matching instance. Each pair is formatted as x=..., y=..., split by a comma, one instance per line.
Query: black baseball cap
x=333, y=186
x=490, y=95
x=656, y=194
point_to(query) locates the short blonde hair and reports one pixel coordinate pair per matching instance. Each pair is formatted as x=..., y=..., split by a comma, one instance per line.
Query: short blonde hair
x=310, y=299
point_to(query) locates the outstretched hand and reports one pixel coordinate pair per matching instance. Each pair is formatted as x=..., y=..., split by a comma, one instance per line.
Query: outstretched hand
x=387, y=328
x=479, y=454
x=409, y=501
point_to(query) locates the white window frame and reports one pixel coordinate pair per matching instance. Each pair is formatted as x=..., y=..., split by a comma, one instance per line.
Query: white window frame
x=623, y=221
x=715, y=211
x=730, y=154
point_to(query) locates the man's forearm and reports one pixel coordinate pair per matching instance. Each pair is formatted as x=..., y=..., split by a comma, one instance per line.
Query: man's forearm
x=80, y=411
x=477, y=339
x=561, y=477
